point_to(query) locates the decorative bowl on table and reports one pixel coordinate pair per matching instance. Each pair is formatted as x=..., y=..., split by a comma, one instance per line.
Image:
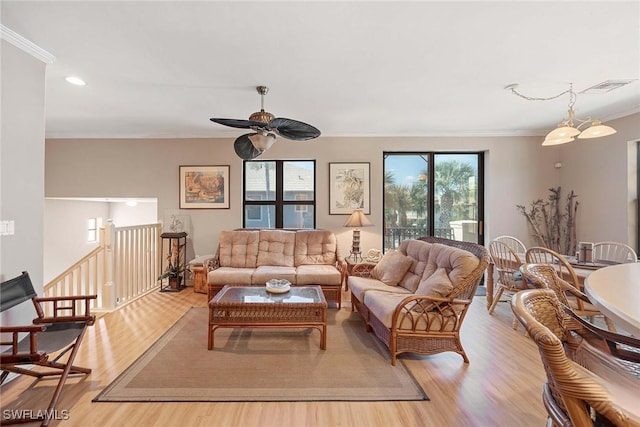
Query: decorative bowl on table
x=278, y=286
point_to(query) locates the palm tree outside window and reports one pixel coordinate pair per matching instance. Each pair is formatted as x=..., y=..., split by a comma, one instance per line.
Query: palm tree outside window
x=432, y=194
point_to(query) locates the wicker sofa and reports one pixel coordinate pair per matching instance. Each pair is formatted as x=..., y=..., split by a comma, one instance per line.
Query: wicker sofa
x=251, y=257
x=416, y=298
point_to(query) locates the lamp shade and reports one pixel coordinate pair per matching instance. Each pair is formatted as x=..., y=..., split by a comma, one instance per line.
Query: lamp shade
x=357, y=219
x=596, y=130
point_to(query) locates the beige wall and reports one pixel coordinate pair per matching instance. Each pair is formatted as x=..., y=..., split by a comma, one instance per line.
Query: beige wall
x=603, y=174
x=518, y=170
x=149, y=168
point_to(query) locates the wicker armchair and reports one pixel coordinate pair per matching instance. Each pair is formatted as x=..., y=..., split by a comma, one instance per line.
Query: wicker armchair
x=427, y=324
x=545, y=276
x=571, y=393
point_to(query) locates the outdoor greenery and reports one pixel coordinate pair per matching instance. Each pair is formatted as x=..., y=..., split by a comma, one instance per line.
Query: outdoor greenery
x=452, y=193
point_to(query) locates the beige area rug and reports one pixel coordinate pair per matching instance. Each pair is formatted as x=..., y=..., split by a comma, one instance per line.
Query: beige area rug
x=264, y=365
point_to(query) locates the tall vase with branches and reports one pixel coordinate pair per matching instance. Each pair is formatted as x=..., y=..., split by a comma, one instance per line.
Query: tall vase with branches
x=553, y=225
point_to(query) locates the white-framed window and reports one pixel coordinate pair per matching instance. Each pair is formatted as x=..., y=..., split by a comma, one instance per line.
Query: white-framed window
x=92, y=230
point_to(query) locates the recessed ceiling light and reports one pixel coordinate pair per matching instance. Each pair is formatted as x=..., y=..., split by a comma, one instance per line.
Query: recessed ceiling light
x=75, y=80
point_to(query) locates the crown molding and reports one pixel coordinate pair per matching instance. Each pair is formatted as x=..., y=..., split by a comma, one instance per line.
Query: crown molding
x=26, y=45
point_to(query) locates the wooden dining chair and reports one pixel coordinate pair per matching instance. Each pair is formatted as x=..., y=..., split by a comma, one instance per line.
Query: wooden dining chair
x=513, y=242
x=507, y=264
x=614, y=252
x=542, y=255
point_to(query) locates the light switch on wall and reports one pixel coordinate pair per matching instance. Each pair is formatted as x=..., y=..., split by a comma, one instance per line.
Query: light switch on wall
x=7, y=228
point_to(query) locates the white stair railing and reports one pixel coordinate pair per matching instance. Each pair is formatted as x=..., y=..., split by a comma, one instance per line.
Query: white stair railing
x=124, y=267
x=136, y=255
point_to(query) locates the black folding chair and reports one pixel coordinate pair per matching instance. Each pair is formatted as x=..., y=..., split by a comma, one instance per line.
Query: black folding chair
x=60, y=333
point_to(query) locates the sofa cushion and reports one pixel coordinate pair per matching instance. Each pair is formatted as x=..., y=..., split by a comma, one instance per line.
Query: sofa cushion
x=359, y=286
x=318, y=275
x=392, y=268
x=315, y=247
x=267, y=272
x=276, y=248
x=458, y=262
x=436, y=285
x=410, y=281
x=230, y=276
x=419, y=252
x=383, y=304
x=238, y=248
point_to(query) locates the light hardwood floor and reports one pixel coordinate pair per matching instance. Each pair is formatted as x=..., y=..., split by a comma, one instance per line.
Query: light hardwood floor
x=500, y=387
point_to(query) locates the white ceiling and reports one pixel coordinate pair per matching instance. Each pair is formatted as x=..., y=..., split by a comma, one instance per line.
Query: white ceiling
x=162, y=69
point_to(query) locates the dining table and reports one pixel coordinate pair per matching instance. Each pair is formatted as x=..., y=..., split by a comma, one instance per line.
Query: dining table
x=615, y=290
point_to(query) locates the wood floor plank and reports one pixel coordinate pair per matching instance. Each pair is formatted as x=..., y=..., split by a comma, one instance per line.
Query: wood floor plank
x=501, y=386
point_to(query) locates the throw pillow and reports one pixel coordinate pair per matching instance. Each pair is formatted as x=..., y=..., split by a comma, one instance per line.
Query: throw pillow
x=436, y=285
x=392, y=268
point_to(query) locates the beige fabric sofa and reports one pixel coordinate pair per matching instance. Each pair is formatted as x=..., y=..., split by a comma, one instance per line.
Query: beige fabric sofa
x=416, y=298
x=252, y=257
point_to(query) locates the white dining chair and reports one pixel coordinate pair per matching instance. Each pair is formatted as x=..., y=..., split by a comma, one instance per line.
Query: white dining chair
x=614, y=252
x=513, y=243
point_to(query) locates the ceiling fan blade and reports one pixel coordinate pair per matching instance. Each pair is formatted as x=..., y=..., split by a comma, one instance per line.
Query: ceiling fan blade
x=293, y=129
x=244, y=147
x=239, y=123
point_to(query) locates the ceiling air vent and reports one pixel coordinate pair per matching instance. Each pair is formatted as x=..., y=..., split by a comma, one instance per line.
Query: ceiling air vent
x=607, y=86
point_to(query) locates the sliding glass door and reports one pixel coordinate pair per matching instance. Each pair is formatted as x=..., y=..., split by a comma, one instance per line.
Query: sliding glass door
x=432, y=194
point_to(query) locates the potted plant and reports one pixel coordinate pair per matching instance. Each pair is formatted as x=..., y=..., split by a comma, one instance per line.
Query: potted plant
x=175, y=266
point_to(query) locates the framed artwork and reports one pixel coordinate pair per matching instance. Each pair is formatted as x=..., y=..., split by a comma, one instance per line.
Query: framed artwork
x=204, y=187
x=348, y=188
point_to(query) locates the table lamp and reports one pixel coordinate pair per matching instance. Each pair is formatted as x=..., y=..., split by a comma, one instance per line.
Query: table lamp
x=357, y=219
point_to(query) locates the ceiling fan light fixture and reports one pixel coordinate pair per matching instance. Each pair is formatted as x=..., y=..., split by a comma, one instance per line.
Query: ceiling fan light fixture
x=266, y=126
x=596, y=130
x=262, y=140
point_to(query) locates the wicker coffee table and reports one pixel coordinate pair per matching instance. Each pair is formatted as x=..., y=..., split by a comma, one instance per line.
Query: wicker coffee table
x=254, y=307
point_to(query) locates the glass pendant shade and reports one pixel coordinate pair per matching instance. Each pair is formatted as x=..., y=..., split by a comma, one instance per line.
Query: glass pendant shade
x=262, y=142
x=562, y=132
x=596, y=130
x=557, y=141
x=566, y=131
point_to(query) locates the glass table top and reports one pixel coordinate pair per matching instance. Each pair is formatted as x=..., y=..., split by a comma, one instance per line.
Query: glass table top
x=258, y=294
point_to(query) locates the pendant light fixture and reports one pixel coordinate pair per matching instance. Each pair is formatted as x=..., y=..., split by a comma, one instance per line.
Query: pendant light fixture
x=569, y=129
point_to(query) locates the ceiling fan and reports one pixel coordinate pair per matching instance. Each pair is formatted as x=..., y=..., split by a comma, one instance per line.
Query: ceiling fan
x=265, y=126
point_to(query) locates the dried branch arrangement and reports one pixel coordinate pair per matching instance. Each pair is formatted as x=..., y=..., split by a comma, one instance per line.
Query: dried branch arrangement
x=553, y=225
